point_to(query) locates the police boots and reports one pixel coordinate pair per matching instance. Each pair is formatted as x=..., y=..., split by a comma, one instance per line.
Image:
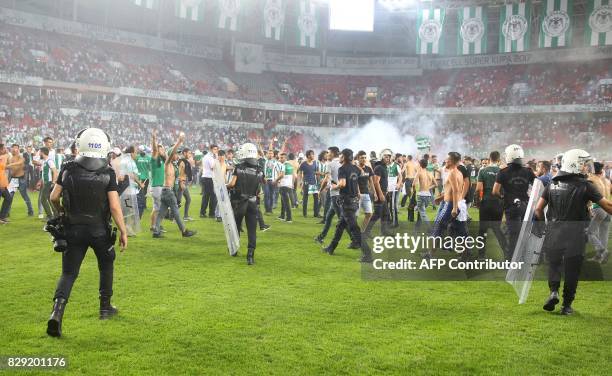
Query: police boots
x=250, y=256
x=54, y=325
x=106, y=309
x=552, y=301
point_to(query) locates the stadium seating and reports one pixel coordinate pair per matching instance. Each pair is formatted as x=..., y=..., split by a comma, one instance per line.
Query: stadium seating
x=72, y=59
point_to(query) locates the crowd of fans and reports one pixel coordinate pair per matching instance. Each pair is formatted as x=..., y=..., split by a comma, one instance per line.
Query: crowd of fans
x=25, y=117
x=72, y=59
x=494, y=86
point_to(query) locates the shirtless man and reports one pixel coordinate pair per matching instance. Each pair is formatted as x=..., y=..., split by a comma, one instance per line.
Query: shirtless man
x=449, y=201
x=409, y=172
x=426, y=182
x=599, y=226
x=168, y=198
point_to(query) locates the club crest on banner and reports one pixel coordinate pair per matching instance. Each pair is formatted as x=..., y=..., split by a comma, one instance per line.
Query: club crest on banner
x=472, y=30
x=556, y=23
x=600, y=20
x=230, y=7
x=307, y=23
x=273, y=13
x=515, y=27
x=430, y=31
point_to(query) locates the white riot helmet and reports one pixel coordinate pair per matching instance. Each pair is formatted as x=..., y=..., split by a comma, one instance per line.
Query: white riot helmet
x=247, y=151
x=93, y=145
x=514, y=154
x=574, y=160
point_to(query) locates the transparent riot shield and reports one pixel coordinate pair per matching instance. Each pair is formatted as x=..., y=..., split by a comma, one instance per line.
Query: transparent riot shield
x=129, y=208
x=225, y=210
x=528, y=247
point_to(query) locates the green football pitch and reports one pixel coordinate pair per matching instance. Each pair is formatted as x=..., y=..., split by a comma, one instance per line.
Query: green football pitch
x=187, y=307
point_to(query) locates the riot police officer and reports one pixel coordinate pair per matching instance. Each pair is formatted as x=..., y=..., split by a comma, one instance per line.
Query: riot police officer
x=567, y=198
x=348, y=203
x=515, y=181
x=86, y=197
x=244, y=185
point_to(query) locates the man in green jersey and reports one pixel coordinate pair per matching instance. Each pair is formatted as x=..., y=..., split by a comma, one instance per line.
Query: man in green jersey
x=49, y=176
x=285, y=182
x=434, y=168
x=143, y=163
x=491, y=207
x=158, y=160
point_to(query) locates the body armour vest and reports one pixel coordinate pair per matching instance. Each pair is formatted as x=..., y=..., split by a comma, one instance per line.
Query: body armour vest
x=84, y=195
x=566, y=200
x=249, y=176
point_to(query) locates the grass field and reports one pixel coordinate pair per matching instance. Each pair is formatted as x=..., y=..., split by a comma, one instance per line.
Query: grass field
x=186, y=307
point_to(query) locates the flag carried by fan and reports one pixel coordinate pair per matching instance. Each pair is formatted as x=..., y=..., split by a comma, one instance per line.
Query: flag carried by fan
x=515, y=27
x=229, y=10
x=149, y=4
x=556, y=26
x=430, y=23
x=598, y=27
x=472, y=33
x=192, y=10
x=274, y=19
x=307, y=24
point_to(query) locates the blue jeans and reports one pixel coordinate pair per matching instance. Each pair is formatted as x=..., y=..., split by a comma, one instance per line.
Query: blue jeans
x=7, y=200
x=333, y=210
x=168, y=202
x=422, y=203
x=270, y=191
x=23, y=191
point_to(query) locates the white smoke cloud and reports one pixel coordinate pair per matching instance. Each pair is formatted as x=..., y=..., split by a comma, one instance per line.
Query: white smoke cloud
x=400, y=135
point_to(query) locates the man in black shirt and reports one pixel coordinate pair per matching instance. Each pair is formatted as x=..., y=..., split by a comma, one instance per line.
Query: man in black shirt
x=381, y=182
x=348, y=202
x=567, y=198
x=515, y=181
x=365, y=179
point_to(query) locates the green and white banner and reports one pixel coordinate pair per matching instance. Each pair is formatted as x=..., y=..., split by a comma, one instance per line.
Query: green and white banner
x=598, y=28
x=192, y=10
x=308, y=26
x=429, y=30
x=274, y=19
x=228, y=14
x=556, y=27
x=472, y=33
x=149, y=4
x=515, y=27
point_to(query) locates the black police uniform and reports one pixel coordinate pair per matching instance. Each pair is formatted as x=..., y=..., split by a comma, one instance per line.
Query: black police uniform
x=380, y=209
x=249, y=176
x=515, y=180
x=348, y=202
x=566, y=234
x=87, y=224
